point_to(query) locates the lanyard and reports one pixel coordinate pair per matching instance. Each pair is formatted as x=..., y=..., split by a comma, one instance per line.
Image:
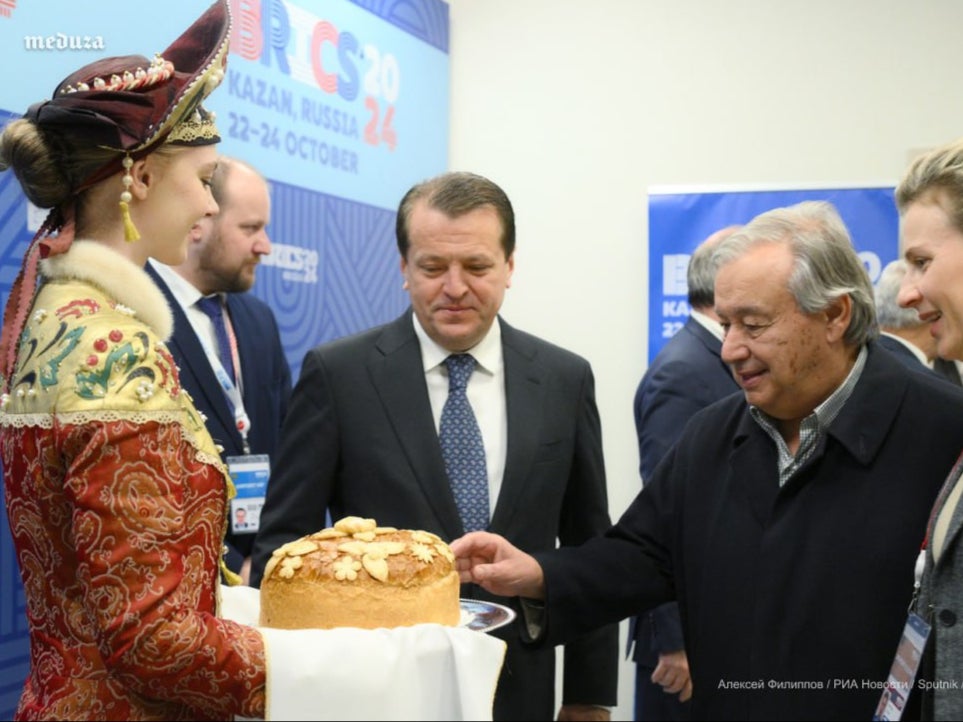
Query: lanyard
x=951, y=481
x=235, y=356
x=242, y=421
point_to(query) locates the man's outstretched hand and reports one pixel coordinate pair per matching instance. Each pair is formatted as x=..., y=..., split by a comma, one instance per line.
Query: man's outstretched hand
x=497, y=566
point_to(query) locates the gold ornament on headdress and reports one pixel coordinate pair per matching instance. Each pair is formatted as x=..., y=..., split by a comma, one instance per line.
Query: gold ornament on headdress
x=197, y=129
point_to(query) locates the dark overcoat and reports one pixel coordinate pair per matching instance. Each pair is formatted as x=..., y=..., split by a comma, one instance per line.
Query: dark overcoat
x=793, y=599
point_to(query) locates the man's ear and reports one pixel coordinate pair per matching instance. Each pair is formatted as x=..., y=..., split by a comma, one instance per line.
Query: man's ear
x=839, y=315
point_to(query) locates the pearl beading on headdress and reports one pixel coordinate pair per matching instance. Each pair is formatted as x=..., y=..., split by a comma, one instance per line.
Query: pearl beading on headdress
x=158, y=71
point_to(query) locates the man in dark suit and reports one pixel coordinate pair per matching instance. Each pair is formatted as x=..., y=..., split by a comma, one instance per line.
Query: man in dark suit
x=243, y=408
x=362, y=434
x=686, y=375
x=948, y=369
x=786, y=520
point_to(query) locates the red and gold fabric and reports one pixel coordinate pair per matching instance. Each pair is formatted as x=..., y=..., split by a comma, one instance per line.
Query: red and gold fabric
x=116, y=498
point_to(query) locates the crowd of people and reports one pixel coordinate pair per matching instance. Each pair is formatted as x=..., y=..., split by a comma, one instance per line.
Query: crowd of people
x=771, y=562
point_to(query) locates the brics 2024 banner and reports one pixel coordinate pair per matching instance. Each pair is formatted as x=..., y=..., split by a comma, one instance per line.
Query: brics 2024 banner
x=341, y=104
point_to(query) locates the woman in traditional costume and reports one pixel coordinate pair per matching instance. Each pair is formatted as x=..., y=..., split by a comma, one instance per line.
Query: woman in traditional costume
x=115, y=492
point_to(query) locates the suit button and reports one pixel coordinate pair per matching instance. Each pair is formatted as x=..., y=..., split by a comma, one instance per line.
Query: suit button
x=947, y=617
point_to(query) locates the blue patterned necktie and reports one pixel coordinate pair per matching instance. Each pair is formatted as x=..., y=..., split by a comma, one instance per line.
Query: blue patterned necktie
x=211, y=305
x=462, y=447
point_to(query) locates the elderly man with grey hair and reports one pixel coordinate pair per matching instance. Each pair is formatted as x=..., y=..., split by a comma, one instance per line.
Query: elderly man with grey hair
x=786, y=520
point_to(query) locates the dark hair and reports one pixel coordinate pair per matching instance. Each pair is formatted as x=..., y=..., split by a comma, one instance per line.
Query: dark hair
x=456, y=194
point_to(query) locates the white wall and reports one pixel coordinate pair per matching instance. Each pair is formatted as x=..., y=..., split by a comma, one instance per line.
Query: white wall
x=575, y=107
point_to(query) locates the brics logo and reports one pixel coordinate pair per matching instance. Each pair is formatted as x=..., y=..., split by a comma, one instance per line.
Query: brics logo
x=351, y=73
x=313, y=50
x=296, y=264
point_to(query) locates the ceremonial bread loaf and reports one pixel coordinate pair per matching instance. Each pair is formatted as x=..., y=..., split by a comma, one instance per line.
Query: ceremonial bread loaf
x=358, y=574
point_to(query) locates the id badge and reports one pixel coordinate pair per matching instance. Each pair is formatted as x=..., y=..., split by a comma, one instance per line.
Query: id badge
x=902, y=674
x=250, y=474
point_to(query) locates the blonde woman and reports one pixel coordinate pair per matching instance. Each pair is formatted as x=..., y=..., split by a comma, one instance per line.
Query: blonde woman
x=930, y=202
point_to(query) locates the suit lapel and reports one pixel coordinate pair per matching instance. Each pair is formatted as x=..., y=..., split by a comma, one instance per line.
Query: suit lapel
x=753, y=465
x=524, y=402
x=187, y=348
x=956, y=520
x=399, y=379
x=195, y=360
x=711, y=343
x=705, y=337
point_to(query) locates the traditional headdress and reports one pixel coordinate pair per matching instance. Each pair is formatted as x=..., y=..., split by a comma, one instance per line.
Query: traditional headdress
x=130, y=103
x=126, y=104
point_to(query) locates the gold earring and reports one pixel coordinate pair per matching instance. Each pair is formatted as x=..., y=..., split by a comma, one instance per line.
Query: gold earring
x=130, y=230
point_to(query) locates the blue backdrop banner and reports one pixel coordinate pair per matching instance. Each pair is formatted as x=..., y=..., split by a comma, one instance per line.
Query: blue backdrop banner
x=681, y=218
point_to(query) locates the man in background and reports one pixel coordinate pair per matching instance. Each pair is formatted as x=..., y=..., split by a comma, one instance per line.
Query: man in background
x=687, y=375
x=448, y=419
x=901, y=331
x=227, y=344
x=948, y=369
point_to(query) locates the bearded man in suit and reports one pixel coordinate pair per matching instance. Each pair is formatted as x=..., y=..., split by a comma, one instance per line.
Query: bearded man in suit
x=244, y=409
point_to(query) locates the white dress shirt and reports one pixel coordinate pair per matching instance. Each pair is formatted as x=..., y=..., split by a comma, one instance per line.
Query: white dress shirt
x=486, y=394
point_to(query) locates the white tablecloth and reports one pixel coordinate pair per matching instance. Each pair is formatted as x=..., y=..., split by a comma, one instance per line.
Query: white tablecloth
x=425, y=672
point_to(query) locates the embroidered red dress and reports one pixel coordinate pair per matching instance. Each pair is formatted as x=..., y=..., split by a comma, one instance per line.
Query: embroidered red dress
x=116, y=499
